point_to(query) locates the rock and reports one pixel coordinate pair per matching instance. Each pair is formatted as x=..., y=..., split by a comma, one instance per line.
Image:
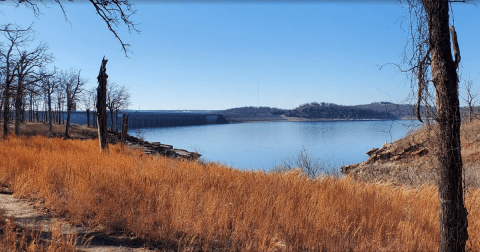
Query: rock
x=372, y=151
x=346, y=169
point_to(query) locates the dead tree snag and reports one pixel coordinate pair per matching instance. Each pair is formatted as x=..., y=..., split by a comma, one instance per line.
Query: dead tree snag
x=102, y=106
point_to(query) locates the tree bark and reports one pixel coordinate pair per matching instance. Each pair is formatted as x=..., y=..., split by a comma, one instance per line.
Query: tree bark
x=50, y=115
x=111, y=119
x=18, y=113
x=116, y=120
x=6, y=106
x=69, y=109
x=452, y=211
x=88, y=118
x=124, y=128
x=101, y=105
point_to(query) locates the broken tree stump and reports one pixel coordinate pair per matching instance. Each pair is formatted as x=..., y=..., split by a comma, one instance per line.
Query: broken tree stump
x=102, y=105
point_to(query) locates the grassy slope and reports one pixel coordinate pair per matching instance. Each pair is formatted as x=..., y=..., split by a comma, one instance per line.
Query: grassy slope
x=186, y=205
x=411, y=160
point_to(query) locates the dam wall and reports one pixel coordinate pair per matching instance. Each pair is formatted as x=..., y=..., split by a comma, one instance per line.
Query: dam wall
x=141, y=119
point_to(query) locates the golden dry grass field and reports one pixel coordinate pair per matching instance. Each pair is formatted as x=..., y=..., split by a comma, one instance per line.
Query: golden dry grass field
x=189, y=206
x=14, y=238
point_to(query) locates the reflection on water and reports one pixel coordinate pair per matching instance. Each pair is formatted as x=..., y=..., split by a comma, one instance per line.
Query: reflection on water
x=262, y=145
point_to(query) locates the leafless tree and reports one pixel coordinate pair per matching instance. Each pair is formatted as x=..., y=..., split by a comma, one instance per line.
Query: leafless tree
x=15, y=38
x=113, y=12
x=28, y=73
x=49, y=85
x=60, y=95
x=88, y=97
x=70, y=85
x=470, y=98
x=432, y=63
x=118, y=98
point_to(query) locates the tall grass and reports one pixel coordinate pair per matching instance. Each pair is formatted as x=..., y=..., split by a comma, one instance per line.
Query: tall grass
x=189, y=206
x=13, y=238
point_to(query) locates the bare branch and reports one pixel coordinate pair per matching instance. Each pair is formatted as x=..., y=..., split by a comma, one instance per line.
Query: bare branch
x=456, y=49
x=113, y=12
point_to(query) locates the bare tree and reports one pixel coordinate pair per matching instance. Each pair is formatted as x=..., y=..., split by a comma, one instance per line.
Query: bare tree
x=60, y=96
x=16, y=37
x=88, y=100
x=72, y=85
x=433, y=63
x=28, y=73
x=49, y=86
x=470, y=98
x=118, y=98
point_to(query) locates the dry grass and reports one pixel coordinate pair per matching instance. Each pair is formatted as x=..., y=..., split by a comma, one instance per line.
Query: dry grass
x=41, y=129
x=186, y=206
x=406, y=167
x=13, y=238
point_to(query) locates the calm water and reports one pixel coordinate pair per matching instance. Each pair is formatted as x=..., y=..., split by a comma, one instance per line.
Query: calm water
x=262, y=145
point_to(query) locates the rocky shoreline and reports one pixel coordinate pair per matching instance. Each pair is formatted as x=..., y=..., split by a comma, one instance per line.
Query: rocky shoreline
x=154, y=148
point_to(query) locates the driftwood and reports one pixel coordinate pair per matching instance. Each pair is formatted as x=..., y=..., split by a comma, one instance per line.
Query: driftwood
x=102, y=105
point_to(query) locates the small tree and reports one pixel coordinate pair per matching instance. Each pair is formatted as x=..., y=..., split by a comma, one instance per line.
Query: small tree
x=72, y=86
x=118, y=98
x=87, y=98
x=470, y=98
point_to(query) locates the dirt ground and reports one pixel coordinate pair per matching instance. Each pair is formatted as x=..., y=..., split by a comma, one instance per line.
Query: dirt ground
x=31, y=215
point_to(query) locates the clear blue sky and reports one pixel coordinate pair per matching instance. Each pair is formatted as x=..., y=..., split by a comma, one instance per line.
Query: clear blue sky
x=219, y=56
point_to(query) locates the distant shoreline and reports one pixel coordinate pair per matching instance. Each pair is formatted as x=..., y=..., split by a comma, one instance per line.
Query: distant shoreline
x=282, y=118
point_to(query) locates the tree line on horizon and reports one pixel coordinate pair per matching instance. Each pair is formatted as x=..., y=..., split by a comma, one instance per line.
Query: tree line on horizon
x=322, y=110
x=374, y=110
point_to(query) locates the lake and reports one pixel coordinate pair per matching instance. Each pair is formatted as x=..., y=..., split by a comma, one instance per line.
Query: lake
x=263, y=145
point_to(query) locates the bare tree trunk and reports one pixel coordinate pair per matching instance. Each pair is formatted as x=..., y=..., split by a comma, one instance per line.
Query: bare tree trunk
x=30, y=108
x=18, y=113
x=50, y=116
x=69, y=109
x=452, y=212
x=22, y=119
x=88, y=118
x=111, y=119
x=116, y=120
x=6, y=107
x=124, y=128
x=101, y=105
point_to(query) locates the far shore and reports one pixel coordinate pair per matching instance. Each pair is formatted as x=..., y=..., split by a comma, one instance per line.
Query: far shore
x=282, y=118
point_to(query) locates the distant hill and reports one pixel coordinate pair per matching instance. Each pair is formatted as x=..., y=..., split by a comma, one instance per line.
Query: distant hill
x=323, y=110
x=326, y=111
x=252, y=114
x=253, y=111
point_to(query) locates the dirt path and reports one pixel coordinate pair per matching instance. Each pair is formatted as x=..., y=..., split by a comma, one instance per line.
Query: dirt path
x=28, y=216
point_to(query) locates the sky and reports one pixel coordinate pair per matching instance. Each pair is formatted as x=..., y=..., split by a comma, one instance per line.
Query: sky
x=214, y=55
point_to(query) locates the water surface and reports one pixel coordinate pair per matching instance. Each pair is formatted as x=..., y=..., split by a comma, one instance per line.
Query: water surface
x=263, y=145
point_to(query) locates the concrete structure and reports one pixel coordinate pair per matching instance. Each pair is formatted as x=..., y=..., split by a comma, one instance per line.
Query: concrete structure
x=140, y=119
